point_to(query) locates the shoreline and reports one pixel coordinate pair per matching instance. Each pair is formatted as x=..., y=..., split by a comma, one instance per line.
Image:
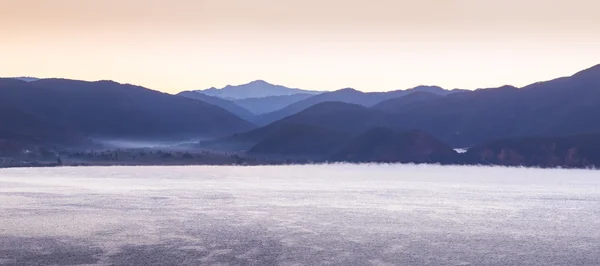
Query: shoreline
x=287, y=163
x=149, y=157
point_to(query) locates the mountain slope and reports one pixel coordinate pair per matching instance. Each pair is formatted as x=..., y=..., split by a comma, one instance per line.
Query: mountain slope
x=568, y=151
x=387, y=145
x=272, y=103
x=225, y=104
x=15, y=122
x=254, y=89
x=20, y=132
x=300, y=140
x=343, y=117
x=374, y=145
x=344, y=95
x=347, y=119
x=394, y=104
x=113, y=110
x=563, y=106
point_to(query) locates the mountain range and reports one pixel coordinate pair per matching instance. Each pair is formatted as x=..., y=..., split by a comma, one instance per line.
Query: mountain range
x=563, y=106
x=254, y=89
x=106, y=109
x=252, y=99
x=269, y=104
x=220, y=102
x=347, y=95
x=261, y=119
x=341, y=120
x=269, y=109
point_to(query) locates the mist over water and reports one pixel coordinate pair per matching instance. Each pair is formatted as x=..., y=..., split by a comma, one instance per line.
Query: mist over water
x=139, y=144
x=299, y=215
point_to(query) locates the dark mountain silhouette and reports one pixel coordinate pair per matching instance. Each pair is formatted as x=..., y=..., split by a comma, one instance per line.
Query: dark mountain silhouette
x=563, y=106
x=345, y=125
x=300, y=140
x=570, y=151
x=393, y=105
x=15, y=122
x=347, y=119
x=352, y=118
x=254, y=89
x=375, y=145
x=18, y=124
x=113, y=110
x=387, y=145
x=21, y=132
x=272, y=103
x=225, y=104
x=346, y=96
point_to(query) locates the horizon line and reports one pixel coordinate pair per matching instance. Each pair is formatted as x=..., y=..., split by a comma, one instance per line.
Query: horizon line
x=263, y=80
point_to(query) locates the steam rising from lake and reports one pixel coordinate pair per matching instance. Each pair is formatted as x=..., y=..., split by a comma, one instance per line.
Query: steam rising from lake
x=299, y=215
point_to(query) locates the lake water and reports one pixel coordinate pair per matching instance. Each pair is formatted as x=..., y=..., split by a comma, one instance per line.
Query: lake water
x=299, y=215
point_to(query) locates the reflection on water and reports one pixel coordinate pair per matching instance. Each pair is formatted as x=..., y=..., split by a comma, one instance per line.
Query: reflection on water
x=299, y=215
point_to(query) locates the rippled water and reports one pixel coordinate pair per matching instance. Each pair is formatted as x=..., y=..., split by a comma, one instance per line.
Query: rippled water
x=299, y=215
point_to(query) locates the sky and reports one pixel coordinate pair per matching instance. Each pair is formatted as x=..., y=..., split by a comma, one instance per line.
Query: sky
x=370, y=45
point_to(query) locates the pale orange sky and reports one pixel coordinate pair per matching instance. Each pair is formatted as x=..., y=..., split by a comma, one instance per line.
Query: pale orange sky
x=371, y=45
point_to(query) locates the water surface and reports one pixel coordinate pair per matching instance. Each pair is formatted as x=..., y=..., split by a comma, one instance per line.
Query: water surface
x=299, y=215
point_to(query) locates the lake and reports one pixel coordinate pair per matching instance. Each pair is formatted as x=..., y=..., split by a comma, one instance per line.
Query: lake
x=299, y=215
